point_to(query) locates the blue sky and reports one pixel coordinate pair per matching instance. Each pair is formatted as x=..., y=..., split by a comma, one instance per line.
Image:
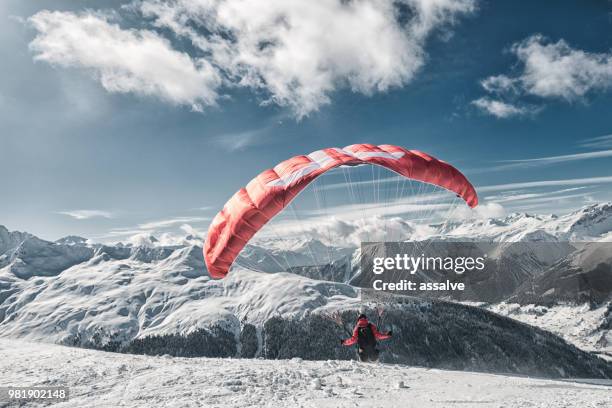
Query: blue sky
x=118, y=117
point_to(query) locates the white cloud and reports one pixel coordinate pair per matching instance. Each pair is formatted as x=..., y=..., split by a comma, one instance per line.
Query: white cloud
x=164, y=239
x=299, y=52
x=352, y=232
x=241, y=140
x=549, y=70
x=190, y=230
x=501, y=109
x=124, y=61
x=295, y=54
x=559, y=71
x=169, y=231
x=502, y=198
x=171, y=222
x=87, y=214
x=499, y=84
x=547, y=183
x=601, y=142
x=482, y=211
x=544, y=161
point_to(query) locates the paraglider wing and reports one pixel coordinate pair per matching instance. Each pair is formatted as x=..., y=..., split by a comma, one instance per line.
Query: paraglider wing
x=251, y=207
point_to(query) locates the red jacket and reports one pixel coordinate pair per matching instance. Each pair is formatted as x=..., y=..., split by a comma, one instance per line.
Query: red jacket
x=363, y=323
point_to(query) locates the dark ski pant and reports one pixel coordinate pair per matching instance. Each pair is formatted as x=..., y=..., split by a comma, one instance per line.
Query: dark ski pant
x=367, y=354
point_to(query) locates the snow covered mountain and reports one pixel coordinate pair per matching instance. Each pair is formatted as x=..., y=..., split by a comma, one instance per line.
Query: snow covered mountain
x=590, y=223
x=156, y=298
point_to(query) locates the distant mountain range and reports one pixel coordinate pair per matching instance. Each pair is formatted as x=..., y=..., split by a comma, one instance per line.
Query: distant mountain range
x=73, y=291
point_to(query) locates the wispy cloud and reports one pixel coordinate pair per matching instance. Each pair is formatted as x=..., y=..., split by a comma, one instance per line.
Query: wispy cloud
x=87, y=214
x=504, y=198
x=544, y=198
x=601, y=142
x=547, y=183
x=242, y=140
x=544, y=161
x=170, y=222
x=166, y=231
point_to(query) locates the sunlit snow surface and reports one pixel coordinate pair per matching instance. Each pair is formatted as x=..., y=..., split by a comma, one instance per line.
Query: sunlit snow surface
x=104, y=379
x=578, y=324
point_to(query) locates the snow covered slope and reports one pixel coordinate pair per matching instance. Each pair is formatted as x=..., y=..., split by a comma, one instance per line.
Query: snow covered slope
x=586, y=327
x=102, y=379
x=154, y=293
x=75, y=292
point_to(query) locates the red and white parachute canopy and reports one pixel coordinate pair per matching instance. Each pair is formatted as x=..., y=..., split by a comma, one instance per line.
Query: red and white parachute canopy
x=251, y=207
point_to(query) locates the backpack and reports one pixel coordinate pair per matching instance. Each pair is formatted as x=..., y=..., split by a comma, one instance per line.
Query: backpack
x=365, y=337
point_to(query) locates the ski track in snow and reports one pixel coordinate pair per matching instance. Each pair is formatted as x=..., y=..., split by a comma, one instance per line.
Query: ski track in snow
x=100, y=379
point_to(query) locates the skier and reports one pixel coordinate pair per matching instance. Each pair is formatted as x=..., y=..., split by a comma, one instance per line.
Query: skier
x=365, y=334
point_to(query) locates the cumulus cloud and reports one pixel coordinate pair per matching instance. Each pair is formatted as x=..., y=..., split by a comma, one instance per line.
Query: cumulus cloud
x=350, y=232
x=482, y=211
x=86, y=214
x=144, y=239
x=295, y=54
x=299, y=52
x=548, y=70
x=194, y=232
x=124, y=61
x=559, y=71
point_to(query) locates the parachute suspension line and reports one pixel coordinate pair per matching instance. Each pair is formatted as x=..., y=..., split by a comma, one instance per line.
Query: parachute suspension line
x=349, y=185
x=323, y=190
x=449, y=213
x=400, y=199
x=315, y=185
x=375, y=194
x=298, y=221
x=291, y=256
x=389, y=205
x=244, y=262
x=248, y=264
x=283, y=235
x=365, y=196
x=321, y=205
x=399, y=227
x=362, y=199
x=385, y=199
x=447, y=216
x=351, y=188
x=282, y=251
x=428, y=202
x=381, y=198
x=419, y=199
x=378, y=201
